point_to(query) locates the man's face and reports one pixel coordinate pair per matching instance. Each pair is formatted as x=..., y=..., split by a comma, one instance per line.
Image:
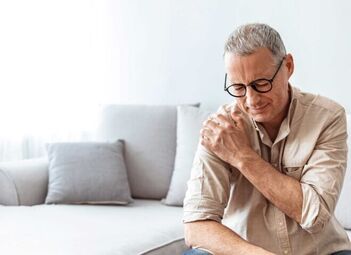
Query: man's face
x=268, y=108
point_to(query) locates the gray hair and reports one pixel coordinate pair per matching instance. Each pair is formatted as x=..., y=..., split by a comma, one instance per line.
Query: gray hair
x=247, y=38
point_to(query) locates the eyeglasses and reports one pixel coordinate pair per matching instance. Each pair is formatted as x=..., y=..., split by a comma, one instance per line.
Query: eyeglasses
x=259, y=85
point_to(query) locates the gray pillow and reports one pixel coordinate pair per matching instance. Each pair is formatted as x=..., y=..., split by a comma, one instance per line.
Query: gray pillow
x=87, y=172
x=189, y=123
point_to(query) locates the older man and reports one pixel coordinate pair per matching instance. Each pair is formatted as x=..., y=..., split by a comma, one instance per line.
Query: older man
x=269, y=167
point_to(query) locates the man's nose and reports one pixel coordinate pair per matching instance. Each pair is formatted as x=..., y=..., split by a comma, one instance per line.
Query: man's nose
x=252, y=96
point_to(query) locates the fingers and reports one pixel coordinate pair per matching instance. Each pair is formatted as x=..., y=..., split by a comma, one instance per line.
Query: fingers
x=210, y=128
x=230, y=120
x=237, y=109
x=237, y=117
x=224, y=121
x=204, y=132
x=216, y=120
x=235, y=112
x=211, y=123
x=205, y=138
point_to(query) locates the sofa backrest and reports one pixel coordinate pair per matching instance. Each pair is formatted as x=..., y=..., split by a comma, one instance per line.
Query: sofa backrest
x=149, y=133
x=24, y=182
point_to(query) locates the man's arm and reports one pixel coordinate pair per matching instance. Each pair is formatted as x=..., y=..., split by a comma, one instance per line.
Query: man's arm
x=206, y=198
x=218, y=239
x=281, y=190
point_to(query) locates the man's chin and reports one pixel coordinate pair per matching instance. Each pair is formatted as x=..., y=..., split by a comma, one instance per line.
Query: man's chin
x=259, y=117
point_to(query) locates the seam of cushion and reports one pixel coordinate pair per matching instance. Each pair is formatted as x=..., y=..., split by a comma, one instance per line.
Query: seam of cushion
x=13, y=183
x=161, y=245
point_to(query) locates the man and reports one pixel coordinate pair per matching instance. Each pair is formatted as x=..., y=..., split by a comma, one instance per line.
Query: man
x=271, y=165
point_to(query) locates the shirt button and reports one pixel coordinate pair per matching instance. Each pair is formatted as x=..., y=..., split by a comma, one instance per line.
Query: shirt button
x=286, y=252
x=281, y=223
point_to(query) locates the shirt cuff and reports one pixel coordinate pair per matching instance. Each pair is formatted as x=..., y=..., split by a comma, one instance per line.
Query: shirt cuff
x=204, y=209
x=314, y=214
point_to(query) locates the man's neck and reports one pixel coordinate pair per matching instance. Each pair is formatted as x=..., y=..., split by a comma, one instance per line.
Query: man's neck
x=273, y=126
x=272, y=130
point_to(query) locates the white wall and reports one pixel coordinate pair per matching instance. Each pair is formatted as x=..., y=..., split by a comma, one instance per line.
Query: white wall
x=170, y=51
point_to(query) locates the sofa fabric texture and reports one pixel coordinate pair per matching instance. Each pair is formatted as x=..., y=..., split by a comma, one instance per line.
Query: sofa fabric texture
x=142, y=227
x=87, y=172
x=24, y=182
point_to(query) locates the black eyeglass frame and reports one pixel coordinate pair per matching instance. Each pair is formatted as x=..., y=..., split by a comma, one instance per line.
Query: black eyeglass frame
x=253, y=84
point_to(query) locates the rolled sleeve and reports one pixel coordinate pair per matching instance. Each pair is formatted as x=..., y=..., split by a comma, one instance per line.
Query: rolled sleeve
x=314, y=214
x=322, y=177
x=208, y=188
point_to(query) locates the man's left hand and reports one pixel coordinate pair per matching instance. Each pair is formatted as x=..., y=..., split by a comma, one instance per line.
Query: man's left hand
x=226, y=137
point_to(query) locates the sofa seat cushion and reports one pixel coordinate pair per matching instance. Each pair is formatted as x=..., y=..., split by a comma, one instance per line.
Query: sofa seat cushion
x=142, y=227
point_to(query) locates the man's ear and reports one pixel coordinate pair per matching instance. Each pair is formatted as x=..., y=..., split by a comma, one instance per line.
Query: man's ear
x=289, y=63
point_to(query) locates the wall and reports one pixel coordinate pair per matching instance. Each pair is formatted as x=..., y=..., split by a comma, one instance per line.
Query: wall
x=170, y=51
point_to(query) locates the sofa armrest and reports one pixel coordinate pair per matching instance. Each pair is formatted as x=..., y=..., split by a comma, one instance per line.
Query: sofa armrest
x=23, y=182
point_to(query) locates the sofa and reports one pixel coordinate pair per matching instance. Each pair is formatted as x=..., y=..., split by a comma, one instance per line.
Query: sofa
x=159, y=143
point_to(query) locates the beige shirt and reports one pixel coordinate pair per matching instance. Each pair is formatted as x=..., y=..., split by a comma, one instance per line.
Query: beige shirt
x=310, y=147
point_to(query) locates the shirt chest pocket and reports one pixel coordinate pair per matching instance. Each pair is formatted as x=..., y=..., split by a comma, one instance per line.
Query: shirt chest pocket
x=294, y=158
x=293, y=169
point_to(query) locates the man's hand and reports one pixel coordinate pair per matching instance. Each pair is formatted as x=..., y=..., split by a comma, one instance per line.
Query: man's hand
x=226, y=136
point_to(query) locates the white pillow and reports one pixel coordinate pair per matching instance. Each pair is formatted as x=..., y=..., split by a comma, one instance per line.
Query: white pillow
x=189, y=123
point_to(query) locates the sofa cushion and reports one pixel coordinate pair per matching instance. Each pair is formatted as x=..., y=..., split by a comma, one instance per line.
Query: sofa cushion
x=142, y=227
x=150, y=140
x=343, y=208
x=189, y=123
x=87, y=172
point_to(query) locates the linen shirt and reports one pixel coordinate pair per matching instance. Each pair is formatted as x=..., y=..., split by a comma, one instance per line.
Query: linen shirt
x=311, y=148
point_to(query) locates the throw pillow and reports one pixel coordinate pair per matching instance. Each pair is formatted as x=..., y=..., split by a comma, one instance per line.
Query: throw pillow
x=149, y=132
x=189, y=123
x=87, y=172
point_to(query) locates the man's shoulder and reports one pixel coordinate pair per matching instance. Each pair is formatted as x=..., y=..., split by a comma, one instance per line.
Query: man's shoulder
x=317, y=103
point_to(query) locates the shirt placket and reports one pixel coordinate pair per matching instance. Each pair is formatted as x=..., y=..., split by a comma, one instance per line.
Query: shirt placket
x=280, y=220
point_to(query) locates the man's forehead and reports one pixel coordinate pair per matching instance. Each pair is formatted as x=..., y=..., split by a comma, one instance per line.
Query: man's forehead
x=249, y=67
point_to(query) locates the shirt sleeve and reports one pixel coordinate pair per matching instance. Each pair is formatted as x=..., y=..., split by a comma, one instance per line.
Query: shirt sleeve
x=208, y=187
x=323, y=175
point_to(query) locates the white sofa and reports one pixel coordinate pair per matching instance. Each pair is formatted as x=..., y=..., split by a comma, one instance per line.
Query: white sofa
x=146, y=226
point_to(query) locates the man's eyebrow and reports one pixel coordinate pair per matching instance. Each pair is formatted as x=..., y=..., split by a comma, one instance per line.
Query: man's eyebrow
x=260, y=76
